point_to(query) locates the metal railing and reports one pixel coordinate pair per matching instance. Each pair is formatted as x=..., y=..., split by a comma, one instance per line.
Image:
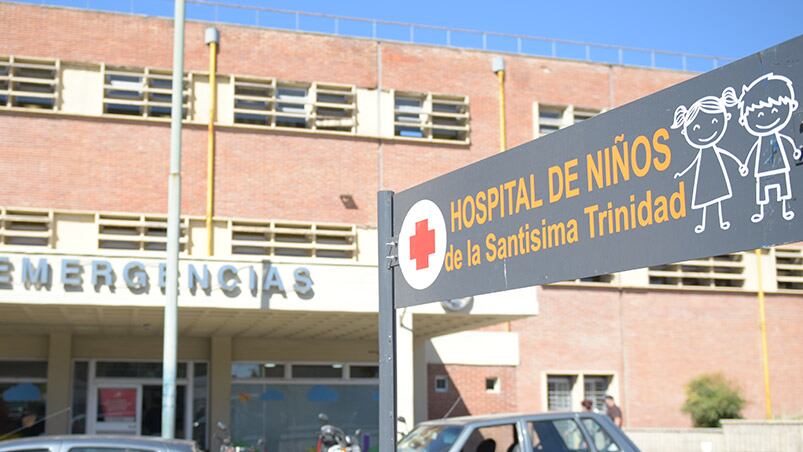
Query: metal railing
x=221, y=12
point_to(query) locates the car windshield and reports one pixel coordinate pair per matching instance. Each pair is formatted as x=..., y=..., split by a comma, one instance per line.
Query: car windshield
x=430, y=438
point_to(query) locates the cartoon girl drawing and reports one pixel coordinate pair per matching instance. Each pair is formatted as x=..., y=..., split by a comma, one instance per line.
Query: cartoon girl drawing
x=704, y=124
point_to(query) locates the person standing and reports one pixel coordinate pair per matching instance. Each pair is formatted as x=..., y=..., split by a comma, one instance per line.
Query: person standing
x=614, y=412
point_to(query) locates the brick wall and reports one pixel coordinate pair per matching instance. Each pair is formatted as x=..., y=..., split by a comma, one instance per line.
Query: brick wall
x=467, y=390
x=270, y=173
x=656, y=341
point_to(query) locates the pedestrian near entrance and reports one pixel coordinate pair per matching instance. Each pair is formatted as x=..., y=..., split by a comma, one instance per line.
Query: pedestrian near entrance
x=588, y=405
x=614, y=412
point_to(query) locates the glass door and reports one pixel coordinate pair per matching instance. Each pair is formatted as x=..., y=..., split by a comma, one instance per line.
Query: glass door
x=118, y=409
x=151, y=423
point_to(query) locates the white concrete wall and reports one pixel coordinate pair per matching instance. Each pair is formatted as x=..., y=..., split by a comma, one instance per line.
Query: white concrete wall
x=734, y=436
x=474, y=348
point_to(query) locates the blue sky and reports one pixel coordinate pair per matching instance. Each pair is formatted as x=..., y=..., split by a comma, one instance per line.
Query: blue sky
x=722, y=28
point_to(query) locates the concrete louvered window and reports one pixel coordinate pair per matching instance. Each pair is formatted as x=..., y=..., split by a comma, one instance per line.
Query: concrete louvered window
x=789, y=268
x=140, y=92
x=29, y=83
x=550, y=118
x=136, y=232
x=26, y=227
x=431, y=116
x=315, y=106
x=273, y=238
x=725, y=271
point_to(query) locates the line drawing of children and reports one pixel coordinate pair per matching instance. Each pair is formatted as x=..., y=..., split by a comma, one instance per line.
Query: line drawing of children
x=765, y=108
x=703, y=125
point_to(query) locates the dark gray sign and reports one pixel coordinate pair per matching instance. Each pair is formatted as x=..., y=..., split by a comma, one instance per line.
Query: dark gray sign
x=707, y=167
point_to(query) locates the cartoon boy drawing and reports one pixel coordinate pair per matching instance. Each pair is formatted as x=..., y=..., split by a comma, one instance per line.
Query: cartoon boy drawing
x=765, y=108
x=703, y=124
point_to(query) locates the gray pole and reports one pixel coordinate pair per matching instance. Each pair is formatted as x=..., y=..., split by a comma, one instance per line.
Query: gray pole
x=387, y=325
x=173, y=215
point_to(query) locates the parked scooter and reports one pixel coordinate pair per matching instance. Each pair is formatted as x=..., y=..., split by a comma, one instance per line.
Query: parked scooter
x=226, y=445
x=334, y=439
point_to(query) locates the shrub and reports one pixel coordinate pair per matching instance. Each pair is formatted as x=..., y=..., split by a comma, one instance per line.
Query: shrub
x=711, y=397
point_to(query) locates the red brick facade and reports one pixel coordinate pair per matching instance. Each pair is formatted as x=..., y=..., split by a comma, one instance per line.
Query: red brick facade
x=653, y=341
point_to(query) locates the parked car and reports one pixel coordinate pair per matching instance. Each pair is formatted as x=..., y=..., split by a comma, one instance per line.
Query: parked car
x=94, y=443
x=549, y=432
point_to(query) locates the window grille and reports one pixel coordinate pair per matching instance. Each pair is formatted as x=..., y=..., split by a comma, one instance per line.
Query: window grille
x=581, y=115
x=314, y=106
x=789, y=268
x=726, y=271
x=26, y=227
x=137, y=232
x=431, y=116
x=595, y=388
x=550, y=119
x=29, y=83
x=140, y=92
x=559, y=392
x=271, y=238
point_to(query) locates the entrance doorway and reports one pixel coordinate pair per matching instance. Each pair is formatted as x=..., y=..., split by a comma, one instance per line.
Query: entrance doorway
x=135, y=409
x=125, y=398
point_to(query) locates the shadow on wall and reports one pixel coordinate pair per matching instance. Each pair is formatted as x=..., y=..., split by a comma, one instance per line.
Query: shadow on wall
x=445, y=399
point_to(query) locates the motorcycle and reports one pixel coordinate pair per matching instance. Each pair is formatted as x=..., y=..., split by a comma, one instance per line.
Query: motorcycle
x=334, y=439
x=226, y=444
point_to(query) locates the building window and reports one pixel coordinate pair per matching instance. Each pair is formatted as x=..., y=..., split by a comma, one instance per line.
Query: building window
x=595, y=388
x=137, y=232
x=549, y=118
x=492, y=385
x=313, y=106
x=26, y=227
x=364, y=372
x=559, y=392
x=29, y=83
x=80, y=389
x=140, y=92
x=789, y=268
x=431, y=116
x=725, y=271
x=23, y=387
x=316, y=371
x=268, y=238
x=581, y=115
x=441, y=384
x=307, y=389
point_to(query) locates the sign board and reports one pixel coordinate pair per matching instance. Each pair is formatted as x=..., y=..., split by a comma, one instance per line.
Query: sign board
x=707, y=167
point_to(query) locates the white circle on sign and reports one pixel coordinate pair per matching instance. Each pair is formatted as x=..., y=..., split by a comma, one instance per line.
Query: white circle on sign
x=422, y=244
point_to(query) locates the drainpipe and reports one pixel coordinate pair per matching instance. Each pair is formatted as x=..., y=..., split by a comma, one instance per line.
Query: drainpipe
x=498, y=65
x=763, y=325
x=212, y=39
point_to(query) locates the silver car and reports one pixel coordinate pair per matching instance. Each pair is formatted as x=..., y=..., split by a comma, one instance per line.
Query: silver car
x=548, y=432
x=97, y=443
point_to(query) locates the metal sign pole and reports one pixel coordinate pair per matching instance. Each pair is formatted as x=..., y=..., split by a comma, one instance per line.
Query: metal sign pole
x=387, y=324
x=173, y=232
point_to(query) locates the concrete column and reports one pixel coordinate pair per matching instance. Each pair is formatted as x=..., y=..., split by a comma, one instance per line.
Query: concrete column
x=59, y=379
x=220, y=386
x=405, y=368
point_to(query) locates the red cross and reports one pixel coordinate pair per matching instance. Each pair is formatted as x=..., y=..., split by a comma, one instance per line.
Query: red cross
x=422, y=244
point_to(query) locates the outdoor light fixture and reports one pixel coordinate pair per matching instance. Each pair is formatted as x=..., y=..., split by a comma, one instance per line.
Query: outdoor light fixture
x=348, y=201
x=270, y=365
x=337, y=366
